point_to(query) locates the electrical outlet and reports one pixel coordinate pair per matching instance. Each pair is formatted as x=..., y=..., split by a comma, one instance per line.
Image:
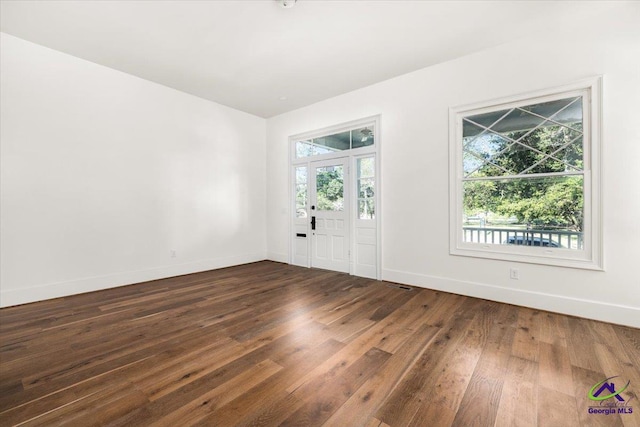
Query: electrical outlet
x=514, y=273
x=172, y=253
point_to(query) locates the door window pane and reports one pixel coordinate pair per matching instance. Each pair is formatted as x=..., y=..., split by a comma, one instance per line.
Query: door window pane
x=366, y=209
x=302, y=193
x=366, y=188
x=330, y=188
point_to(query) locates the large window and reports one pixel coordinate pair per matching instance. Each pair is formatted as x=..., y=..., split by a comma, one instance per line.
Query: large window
x=525, y=178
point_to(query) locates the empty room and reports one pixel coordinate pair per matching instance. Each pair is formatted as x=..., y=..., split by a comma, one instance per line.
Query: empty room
x=319, y=213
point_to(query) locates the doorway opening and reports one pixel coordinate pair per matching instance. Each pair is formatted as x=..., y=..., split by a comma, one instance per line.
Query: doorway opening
x=335, y=198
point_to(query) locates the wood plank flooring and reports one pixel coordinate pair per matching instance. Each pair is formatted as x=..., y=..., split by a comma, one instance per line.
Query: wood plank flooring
x=271, y=344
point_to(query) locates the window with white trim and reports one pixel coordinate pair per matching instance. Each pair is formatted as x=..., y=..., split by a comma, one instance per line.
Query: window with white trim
x=525, y=178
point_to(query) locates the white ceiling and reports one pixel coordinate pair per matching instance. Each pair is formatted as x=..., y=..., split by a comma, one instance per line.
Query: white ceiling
x=250, y=55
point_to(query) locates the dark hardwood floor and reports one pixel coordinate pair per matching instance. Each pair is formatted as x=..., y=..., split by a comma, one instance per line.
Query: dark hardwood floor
x=271, y=344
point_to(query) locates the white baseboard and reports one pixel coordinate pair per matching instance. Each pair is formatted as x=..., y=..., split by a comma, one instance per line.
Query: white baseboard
x=613, y=313
x=10, y=297
x=278, y=257
x=596, y=310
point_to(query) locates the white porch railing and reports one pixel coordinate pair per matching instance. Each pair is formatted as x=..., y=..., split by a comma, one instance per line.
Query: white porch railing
x=504, y=236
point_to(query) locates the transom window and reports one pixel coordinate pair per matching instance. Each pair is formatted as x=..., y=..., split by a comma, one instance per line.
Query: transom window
x=347, y=140
x=523, y=179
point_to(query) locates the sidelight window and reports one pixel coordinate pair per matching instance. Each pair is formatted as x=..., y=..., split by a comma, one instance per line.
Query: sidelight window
x=302, y=192
x=366, y=188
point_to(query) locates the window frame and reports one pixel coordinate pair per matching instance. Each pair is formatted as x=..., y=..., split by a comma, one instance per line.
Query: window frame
x=591, y=256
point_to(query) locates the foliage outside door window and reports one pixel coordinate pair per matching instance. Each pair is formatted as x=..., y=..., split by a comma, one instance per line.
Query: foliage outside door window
x=330, y=188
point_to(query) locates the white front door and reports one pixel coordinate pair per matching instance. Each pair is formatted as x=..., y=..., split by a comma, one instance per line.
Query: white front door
x=329, y=200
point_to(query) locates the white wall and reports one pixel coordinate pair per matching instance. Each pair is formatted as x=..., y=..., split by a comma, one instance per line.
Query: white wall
x=414, y=109
x=103, y=174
